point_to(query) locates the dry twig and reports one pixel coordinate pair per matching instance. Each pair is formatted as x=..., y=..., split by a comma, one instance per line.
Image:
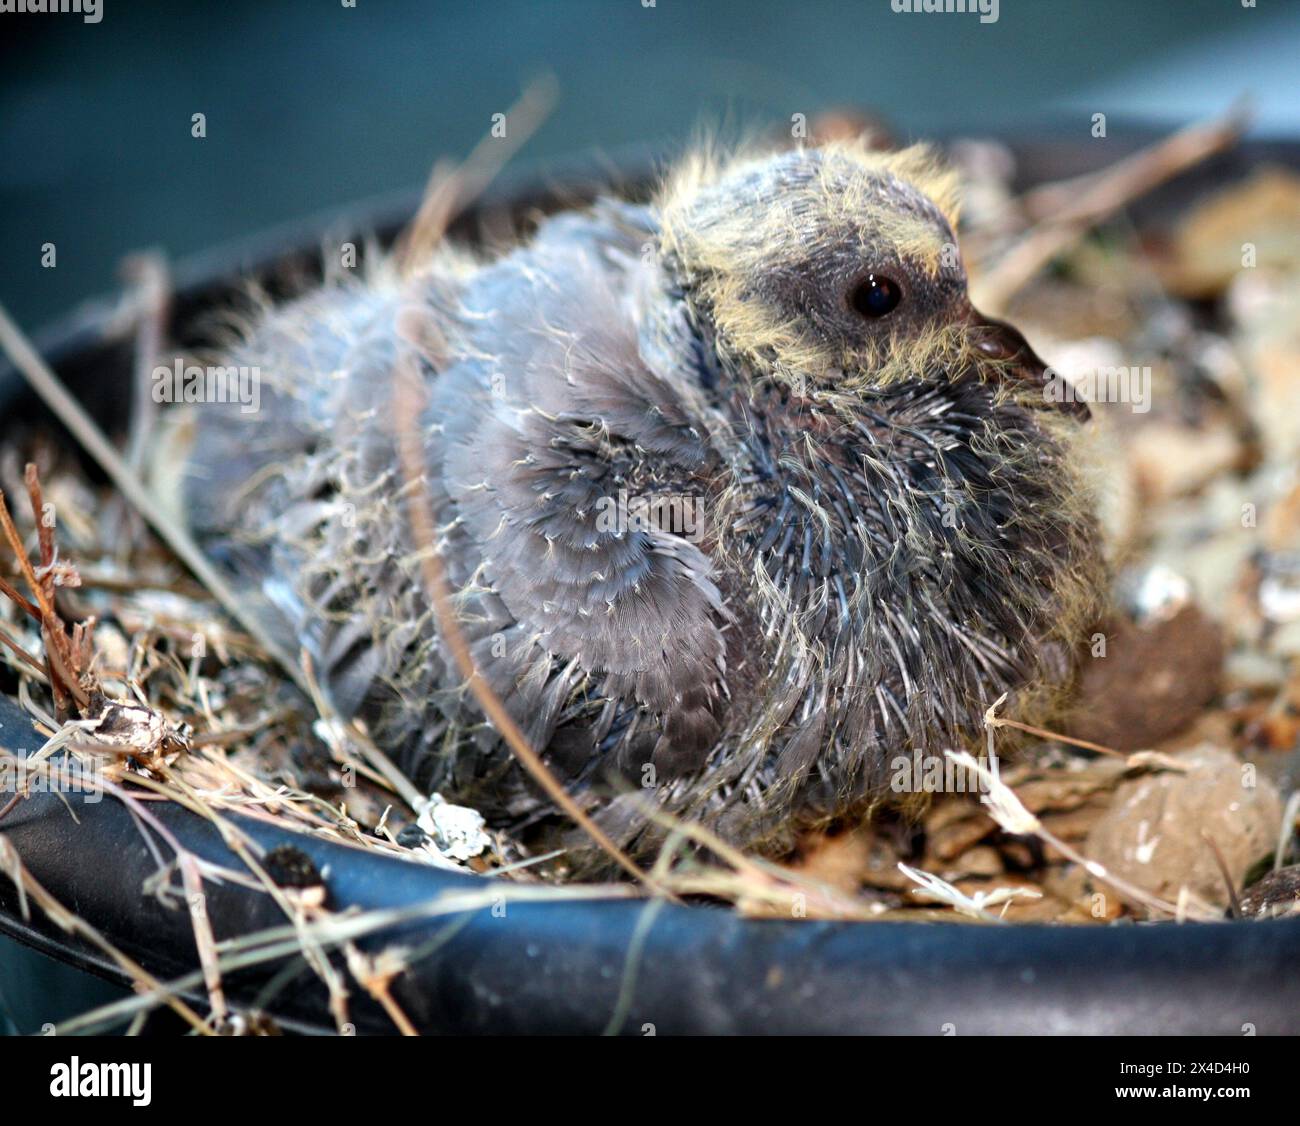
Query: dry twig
x=1067, y=211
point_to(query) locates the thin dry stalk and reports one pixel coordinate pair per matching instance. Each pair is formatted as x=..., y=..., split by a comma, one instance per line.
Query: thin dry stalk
x=452, y=187
x=1008, y=811
x=974, y=907
x=1069, y=210
x=376, y=976
x=408, y=396
x=1135, y=759
x=204, y=940
x=1286, y=830
x=149, y=278
x=1234, y=903
x=333, y=931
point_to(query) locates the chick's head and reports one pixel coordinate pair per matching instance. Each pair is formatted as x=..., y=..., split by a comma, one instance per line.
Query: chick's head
x=834, y=270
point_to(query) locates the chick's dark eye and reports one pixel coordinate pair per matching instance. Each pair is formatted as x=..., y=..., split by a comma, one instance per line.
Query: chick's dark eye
x=875, y=296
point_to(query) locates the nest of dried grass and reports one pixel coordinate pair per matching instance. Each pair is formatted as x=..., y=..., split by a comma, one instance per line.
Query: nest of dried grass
x=127, y=655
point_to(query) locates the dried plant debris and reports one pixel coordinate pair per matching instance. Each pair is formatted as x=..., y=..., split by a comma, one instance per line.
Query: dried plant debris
x=1166, y=796
x=1275, y=895
x=152, y=681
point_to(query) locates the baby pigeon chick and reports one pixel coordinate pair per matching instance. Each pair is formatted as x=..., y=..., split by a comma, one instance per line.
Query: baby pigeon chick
x=745, y=506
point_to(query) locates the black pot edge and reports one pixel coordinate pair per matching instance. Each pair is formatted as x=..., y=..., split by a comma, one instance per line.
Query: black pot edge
x=547, y=967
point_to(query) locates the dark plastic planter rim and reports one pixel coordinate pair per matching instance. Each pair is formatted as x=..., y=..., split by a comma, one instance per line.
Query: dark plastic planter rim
x=620, y=965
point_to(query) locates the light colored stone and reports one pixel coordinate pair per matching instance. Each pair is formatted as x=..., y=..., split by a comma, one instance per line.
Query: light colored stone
x=1154, y=834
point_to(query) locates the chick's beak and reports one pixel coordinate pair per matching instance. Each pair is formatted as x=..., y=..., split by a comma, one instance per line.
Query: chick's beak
x=1006, y=344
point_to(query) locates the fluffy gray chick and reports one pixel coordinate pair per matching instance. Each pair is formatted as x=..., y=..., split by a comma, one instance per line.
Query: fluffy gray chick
x=745, y=505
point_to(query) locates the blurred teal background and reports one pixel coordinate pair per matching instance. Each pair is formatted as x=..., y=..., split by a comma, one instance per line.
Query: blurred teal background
x=311, y=105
